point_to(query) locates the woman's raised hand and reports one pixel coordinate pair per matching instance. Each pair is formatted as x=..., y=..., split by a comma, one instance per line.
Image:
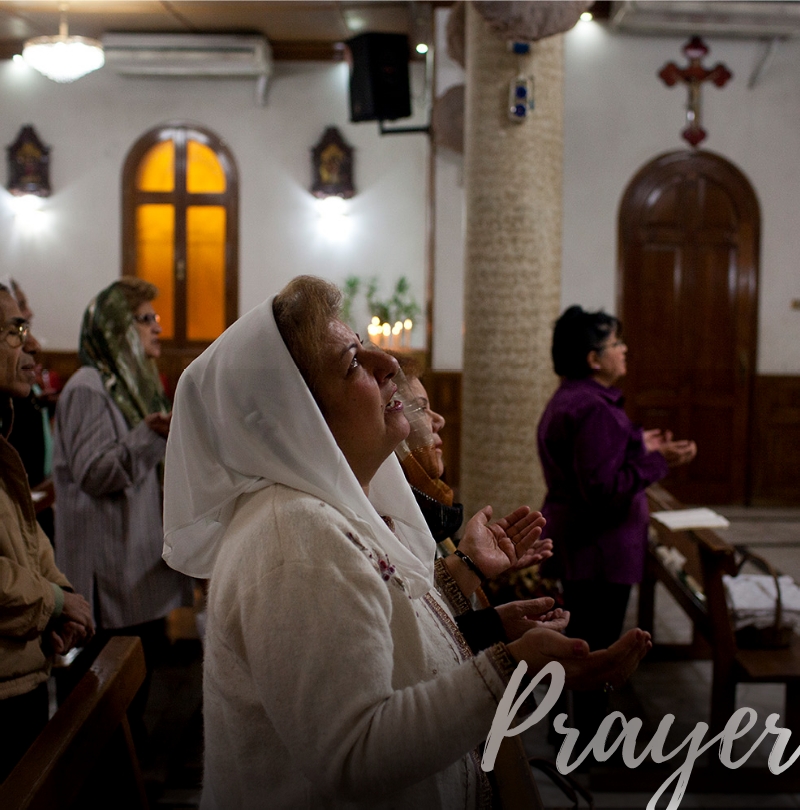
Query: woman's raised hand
x=519, y=617
x=512, y=542
x=675, y=452
x=678, y=452
x=584, y=670
x=653, y=439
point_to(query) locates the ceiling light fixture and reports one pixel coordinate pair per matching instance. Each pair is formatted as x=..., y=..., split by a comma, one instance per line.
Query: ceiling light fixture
x=63, y=58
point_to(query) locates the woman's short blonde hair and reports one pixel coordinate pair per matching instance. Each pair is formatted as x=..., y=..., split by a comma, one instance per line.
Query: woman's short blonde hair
x=137, y=291
x=303, y=310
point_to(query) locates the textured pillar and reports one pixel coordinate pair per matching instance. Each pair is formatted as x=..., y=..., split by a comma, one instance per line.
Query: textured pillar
x=513, y=177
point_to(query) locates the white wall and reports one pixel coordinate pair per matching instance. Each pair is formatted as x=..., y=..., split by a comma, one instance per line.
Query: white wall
x=619, y=116
x=72, y=249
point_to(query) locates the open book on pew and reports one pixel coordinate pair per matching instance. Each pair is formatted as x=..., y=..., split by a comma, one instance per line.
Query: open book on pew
x=680, y=519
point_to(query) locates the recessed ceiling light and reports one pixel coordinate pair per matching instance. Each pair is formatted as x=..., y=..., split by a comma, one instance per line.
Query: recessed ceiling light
x=587, y=16
x=355, y=22
x=422, y=48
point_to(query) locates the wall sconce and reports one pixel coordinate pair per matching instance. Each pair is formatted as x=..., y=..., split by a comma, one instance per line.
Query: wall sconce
x=28, y=165
x=332, y=166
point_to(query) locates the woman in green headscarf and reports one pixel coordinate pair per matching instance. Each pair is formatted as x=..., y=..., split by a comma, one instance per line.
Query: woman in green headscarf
x=112, y=421
x=120, y=338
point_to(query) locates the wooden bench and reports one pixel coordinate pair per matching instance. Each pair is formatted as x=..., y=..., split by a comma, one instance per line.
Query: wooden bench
x=84, y=757
x=708, y=558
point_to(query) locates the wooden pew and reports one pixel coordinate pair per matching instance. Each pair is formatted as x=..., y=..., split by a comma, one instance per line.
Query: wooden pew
x=85, y=758
x=709, y=557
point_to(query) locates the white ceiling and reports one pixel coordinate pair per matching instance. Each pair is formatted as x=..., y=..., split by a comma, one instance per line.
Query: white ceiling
x=300, y=29
x=290, y=22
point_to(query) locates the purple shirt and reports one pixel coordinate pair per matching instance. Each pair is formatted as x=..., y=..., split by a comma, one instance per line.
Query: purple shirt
x=597, y=469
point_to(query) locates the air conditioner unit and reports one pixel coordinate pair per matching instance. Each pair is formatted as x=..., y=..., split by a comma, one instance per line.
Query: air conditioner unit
x=190, y=56
x=760, y=19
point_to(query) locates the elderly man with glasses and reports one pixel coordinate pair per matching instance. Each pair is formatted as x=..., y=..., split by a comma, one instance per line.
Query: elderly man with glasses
x=31, y=435
x=39, y=614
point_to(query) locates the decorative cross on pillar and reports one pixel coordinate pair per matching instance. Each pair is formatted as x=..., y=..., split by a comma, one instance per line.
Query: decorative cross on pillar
x=693, y=75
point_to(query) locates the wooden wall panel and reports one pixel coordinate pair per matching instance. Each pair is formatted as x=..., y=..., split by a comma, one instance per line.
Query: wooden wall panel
x=774, y=463
x=62, y=364
x=774, y=473
x=444, y=390
x=775, y=445
x=171, y=365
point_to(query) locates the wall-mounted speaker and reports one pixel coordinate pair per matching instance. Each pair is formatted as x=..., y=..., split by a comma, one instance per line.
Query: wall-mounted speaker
x=379, y=85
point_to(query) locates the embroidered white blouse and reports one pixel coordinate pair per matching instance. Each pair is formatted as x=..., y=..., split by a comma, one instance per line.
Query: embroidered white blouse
x=326, y=685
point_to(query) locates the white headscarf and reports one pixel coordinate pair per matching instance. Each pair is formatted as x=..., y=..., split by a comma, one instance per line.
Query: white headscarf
x=244, y=419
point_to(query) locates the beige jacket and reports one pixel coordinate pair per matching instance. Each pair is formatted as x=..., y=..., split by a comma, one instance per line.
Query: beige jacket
x=27, y=571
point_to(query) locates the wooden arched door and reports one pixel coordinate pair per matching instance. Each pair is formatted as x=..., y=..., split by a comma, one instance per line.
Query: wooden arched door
x=688, y=285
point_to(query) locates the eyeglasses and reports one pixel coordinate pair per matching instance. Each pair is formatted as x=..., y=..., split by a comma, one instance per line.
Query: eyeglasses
x=149, y=318
x=16, y=333
x=614, y=345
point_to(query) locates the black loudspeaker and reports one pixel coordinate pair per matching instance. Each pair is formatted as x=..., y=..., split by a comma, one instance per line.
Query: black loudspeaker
x=379, y=86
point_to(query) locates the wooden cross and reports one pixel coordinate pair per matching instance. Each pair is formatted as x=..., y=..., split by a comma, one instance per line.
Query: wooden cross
x=693, y=75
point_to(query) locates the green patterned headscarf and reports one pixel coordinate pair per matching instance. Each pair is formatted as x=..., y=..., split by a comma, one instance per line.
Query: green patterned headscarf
x=110, y=343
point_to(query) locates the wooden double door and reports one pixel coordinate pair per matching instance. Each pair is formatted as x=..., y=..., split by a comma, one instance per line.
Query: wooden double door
x=688, y=281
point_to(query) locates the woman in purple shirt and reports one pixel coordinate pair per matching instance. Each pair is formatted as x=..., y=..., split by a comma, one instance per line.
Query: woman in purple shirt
x=597, y=464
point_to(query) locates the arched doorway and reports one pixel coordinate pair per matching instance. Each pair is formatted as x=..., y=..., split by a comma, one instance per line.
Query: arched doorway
x=688, y=284
x=180, y=231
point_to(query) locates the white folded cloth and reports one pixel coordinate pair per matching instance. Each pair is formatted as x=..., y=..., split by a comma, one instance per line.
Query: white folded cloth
x=751, y=599
x=702, y=518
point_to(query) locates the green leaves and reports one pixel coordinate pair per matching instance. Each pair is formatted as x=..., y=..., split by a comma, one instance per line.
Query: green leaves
x=399, y=306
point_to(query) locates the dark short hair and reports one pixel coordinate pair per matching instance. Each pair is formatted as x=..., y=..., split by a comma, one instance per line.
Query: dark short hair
x=576, y=333
x=303, y=310
x=137, y=291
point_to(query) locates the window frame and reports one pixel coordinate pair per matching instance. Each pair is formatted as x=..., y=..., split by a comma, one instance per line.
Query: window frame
x=181, y=132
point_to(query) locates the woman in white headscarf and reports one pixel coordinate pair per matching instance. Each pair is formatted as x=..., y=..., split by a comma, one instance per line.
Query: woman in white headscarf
x=334, y=674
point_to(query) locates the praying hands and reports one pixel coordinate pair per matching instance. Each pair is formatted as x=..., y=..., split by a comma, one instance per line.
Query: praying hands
x=74, y=627
x=528, y=614
x=583, y=669
x=511, y=543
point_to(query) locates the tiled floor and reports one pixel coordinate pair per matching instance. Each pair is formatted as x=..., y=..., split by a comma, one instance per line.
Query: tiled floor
x=173, y=769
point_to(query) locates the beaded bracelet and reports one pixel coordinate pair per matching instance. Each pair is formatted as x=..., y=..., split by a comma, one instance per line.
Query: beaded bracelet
x=470, y=564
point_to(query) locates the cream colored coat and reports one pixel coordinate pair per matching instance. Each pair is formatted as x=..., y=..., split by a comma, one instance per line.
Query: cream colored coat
x=326, y=685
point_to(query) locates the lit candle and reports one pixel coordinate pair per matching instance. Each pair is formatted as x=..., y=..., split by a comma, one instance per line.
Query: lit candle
x=396, y=330
x=386, y=330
